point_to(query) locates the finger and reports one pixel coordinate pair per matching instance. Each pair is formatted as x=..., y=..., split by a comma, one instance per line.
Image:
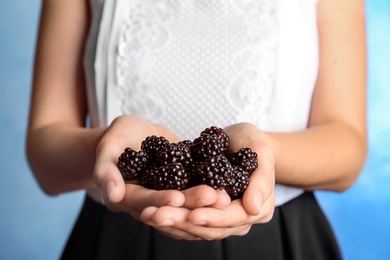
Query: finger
x=233, y=215
x=175, y=222
x=200, y=196
x=165, y=216
x=177, y=233
x=261, y=183
x=109, y=180
x=210, y=234
x=223, y=200
x=166, y=227
x=140, y=197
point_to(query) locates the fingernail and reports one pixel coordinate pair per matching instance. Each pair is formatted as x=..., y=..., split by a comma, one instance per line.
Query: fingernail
x=110, y=186
x=257, y=200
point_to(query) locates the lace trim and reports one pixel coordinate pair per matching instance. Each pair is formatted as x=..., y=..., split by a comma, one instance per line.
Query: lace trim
x=145, y=33
x=255, y=64
x=142, y=33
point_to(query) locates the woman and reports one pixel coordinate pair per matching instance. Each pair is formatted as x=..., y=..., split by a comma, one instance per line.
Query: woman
x=285, y=78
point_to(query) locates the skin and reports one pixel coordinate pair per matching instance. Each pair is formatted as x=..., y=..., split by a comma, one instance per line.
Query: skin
x=66, y=156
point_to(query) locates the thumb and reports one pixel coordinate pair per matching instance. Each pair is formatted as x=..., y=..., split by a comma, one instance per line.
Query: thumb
x=261, y=185
x=109, y=180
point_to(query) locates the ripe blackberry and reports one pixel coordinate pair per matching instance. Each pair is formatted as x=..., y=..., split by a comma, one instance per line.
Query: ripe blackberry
x=221, y=136
x=148, y=177
x=211, y=142
x=193, y=171
x=206, y=146
x=152, y=145
x=131, y=163
x=238, y=183
x=215, y=172
x=174, y=153
x=171, y=177
x=245, y=158
x=186, y=143
x=162, y=165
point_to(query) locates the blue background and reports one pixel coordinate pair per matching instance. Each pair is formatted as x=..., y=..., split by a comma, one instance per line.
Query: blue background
x=35, y=226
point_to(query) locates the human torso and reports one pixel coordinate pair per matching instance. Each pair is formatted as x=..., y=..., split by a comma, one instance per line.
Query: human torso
x=190, y=64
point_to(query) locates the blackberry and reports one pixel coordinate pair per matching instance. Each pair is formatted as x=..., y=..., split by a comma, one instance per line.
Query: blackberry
x=221, y=135
x=206, y=146
x=174, y=153
x=148, y=177
x=211, y=142
x=193, y=171
x=245, y=158
x=152, y=145
x=171, y=177
x=187, y=143
x=131, y=163
x=163, y=165
x=238, y=183
x=215, y=172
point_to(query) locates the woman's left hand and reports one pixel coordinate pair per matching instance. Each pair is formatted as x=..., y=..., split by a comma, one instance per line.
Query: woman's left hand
x=210, y=223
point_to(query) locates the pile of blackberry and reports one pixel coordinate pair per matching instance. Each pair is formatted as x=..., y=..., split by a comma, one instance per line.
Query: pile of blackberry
x=162, y=165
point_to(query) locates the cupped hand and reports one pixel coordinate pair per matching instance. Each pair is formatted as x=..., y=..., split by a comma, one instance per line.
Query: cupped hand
x=130, y=131
x=206, y=223
x=262, y=181
x=236, y=218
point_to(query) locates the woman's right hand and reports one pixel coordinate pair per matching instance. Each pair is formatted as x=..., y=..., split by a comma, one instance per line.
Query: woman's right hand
x=129, y=131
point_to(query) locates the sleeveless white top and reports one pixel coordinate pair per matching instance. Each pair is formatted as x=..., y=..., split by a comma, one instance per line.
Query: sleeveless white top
x=190, y=64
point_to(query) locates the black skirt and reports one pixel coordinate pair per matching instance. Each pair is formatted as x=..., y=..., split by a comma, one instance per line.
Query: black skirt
x=298, y=230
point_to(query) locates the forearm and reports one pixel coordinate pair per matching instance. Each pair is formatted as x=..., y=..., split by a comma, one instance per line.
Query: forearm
x=62, y=157
x=328, y=157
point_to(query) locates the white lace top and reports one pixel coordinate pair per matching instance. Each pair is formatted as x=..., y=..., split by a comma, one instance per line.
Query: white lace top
x=190, y=64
